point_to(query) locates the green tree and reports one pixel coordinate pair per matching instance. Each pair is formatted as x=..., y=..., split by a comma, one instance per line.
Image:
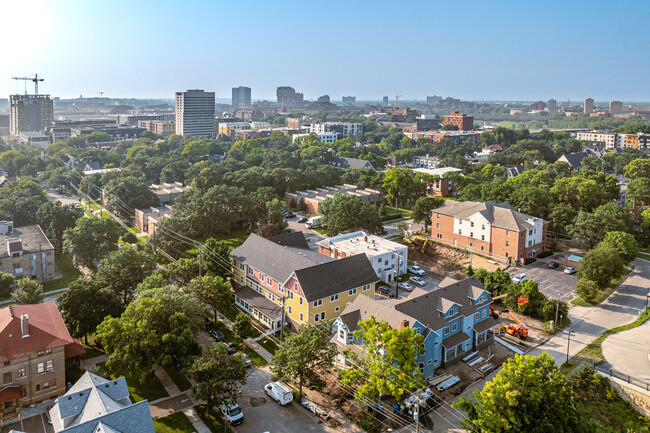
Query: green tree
x=591, y=228
x=348, y=212
x=639, y=168
x=390, y=363
x=149, y=331
x=20, y=201
x=399, y=184
x=421, y=211
x=90, y=240
x=304, y=355
x=126, y=193
x=274, y=215
x=195, y=150
x=601, y=265
x=54, y=217
x=624, y=243
x=213, y=291
x=184, y=270
x=85, y=305
x=122, y=270
x=638, y=191
x=6, y=284
x=587, y=289
x=98, y=137
x=27, y=291
x=218, y=376
x=529, y=394
x=242, y=326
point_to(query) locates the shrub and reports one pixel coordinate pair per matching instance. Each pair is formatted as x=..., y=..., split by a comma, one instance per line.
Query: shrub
x=292, y=204
x=587, y=289
x=529, y=260
x=544, y=254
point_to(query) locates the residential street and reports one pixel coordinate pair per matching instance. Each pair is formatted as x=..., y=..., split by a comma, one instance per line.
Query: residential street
x=621, y=307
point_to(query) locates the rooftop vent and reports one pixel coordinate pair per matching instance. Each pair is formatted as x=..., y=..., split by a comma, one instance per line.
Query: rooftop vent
x=24, y=325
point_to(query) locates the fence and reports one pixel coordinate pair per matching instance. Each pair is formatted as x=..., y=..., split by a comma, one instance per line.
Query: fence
x=624, y=377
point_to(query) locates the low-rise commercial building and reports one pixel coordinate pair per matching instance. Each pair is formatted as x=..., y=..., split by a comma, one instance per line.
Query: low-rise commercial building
x=313, y=198
x=388, y=258
x=494, y=229
x=344, y=129
x=34, y=347
x=168, y=192
x=35, y=138
x=26, y=252
x=454, y=320
x=281, y=277
x=161, y=127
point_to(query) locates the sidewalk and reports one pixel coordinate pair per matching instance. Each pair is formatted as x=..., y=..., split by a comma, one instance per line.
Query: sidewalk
x=252, y=343
x=90, y=363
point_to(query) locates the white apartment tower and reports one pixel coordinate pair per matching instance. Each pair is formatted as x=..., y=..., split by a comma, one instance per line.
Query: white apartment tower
x=195, y=113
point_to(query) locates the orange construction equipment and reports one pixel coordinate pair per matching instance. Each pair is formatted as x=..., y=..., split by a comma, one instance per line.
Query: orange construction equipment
x=520, y=330
x=521, y=300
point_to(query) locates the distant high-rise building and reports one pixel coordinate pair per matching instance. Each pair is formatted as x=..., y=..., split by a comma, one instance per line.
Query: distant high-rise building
x=288, y=96
x=241, y=95
x=195, y=113
x=324, y=98
x=616, y=107
x=30, y=113
x=552, y=104
x=537, y=106
x=433, y=100
x=384, y=101
x=463, y=121
x=589, y=106
x=349, y=100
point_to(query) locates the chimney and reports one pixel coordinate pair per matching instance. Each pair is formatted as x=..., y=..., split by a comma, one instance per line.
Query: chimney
x=405, y=324
x=24, y=325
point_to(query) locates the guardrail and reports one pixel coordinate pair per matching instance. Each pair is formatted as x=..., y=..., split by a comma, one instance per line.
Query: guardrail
x=624, y=377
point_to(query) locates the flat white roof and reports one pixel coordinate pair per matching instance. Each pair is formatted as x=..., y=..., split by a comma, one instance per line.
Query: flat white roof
x=440, y=171
x=361, y=242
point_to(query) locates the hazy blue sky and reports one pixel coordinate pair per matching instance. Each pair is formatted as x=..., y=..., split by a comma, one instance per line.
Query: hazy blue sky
x=503, y=50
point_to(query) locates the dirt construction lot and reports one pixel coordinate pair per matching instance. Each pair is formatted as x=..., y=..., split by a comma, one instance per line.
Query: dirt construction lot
x=554, y=283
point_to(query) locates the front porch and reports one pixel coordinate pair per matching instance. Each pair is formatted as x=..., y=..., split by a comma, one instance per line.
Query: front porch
x=452, y=348
x=484, y=333
x=258, y=306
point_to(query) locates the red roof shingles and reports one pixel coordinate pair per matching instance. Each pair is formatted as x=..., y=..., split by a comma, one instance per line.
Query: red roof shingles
x=46, y=330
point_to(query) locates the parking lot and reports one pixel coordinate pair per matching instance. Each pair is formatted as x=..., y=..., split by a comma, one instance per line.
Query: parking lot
x=554, y=283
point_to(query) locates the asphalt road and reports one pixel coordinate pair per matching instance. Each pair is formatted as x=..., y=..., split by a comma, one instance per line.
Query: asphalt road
x=52, y=195
x=627, y=352
x=554, y=283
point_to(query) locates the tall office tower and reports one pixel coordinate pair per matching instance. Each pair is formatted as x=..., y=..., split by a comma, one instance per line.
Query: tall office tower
x=30, y=113
x=287, y=95
x=384, y=101
x=552, y=104
x=195, y=113
x=589, y=106
x=616, y=107
x=241, y=95
x=349, y=100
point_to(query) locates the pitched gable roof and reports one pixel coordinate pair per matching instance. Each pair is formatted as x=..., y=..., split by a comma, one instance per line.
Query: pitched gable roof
x=352, y=163
x=575, y=159
x=46, y=330
x=498, y=214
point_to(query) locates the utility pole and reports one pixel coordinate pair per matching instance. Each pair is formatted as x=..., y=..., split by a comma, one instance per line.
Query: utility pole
x=397, y=276
x=153, y=239
x=567, y=345
x=282, y=316
x=416, y=415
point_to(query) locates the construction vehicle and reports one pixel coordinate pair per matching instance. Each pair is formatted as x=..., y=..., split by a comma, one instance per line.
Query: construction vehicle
x=519, y=330
x=411, y=239
x=521, y=300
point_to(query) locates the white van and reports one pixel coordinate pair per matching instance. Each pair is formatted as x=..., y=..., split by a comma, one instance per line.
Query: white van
x=279, y=392
x=316, y=221
x=233, y=414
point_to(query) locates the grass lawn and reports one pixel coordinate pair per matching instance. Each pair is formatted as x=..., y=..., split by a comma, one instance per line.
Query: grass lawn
x=179, y=378
x=212, y=420
x=321, y=230
x=150, y=390
x=233, y=239
x=268, y=344
x=174, y=423
x=92, y=348
x=255, y=357
x=67, y=268
x=602, y=294
x=392, y=215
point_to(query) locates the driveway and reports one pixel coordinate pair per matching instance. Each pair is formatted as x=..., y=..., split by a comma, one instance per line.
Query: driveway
x=263, y=414
x=621, y=307
x=554, y=283
x=627, y=352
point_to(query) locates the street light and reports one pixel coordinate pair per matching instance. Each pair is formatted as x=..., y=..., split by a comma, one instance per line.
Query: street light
x=567, y=344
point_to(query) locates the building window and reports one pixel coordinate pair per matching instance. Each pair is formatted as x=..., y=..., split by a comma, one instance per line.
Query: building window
x=300, y=301
x=471, y=234
x=316, y=317
x=290, y=294
x=379, y=260
x=46, y=385
x=337, y=309
x=460, y=231
x=262, y=277
x=48, y=351
x=342, y=335
x=507, y=255
x=530, y=232
x=318, y=303
x=439, y=235
x=477, y=316
x=289, y=310
x=483, y=227
x=322, y=316
x=250, y=271
x=446, y=330
x=334, y=298
x=507, y=232
x=481, y=247
x=352, y=292
x=40, y=353
x=295, y=286
x=22, y=373
x=471, y=224
x=366, y=287
x=482, y=237
x=50, y=365
x=437, y=225
x=454, y=327
x=40, y=368
x=302, y=317
x=507, y=243
x=437, y=215
x=484, y=313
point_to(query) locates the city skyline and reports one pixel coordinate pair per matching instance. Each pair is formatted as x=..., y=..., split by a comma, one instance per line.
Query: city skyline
x=513, y=52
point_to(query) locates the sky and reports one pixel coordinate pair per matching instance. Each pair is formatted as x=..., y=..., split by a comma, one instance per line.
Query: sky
x=473, y=50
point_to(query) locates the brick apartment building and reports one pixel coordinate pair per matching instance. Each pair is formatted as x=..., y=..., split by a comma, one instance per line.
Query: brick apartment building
x=26, y=252
x=313, y=198
x=34, y=347
x=463, y=121
x=146, y=219
x=492, y=229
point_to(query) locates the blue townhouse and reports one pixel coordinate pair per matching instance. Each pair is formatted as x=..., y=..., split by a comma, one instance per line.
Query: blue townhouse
x=454, y=320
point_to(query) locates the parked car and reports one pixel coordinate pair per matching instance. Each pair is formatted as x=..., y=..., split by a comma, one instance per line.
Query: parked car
x=415, y=270
x=289, y=215
x=405, y=286
x=233, y=414
x=217, y=335
x=417, y=280
x=245, y=358
x=279, y=392
x=519, y=278
x=208, y=324
x=387, y=291
x=569, y=270
x=302, y=219
x=553, y=264
x=231, y=347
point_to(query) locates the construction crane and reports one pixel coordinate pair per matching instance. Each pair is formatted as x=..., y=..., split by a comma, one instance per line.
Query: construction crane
x=101, y=94
x=35, y=79
x=397, y=96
